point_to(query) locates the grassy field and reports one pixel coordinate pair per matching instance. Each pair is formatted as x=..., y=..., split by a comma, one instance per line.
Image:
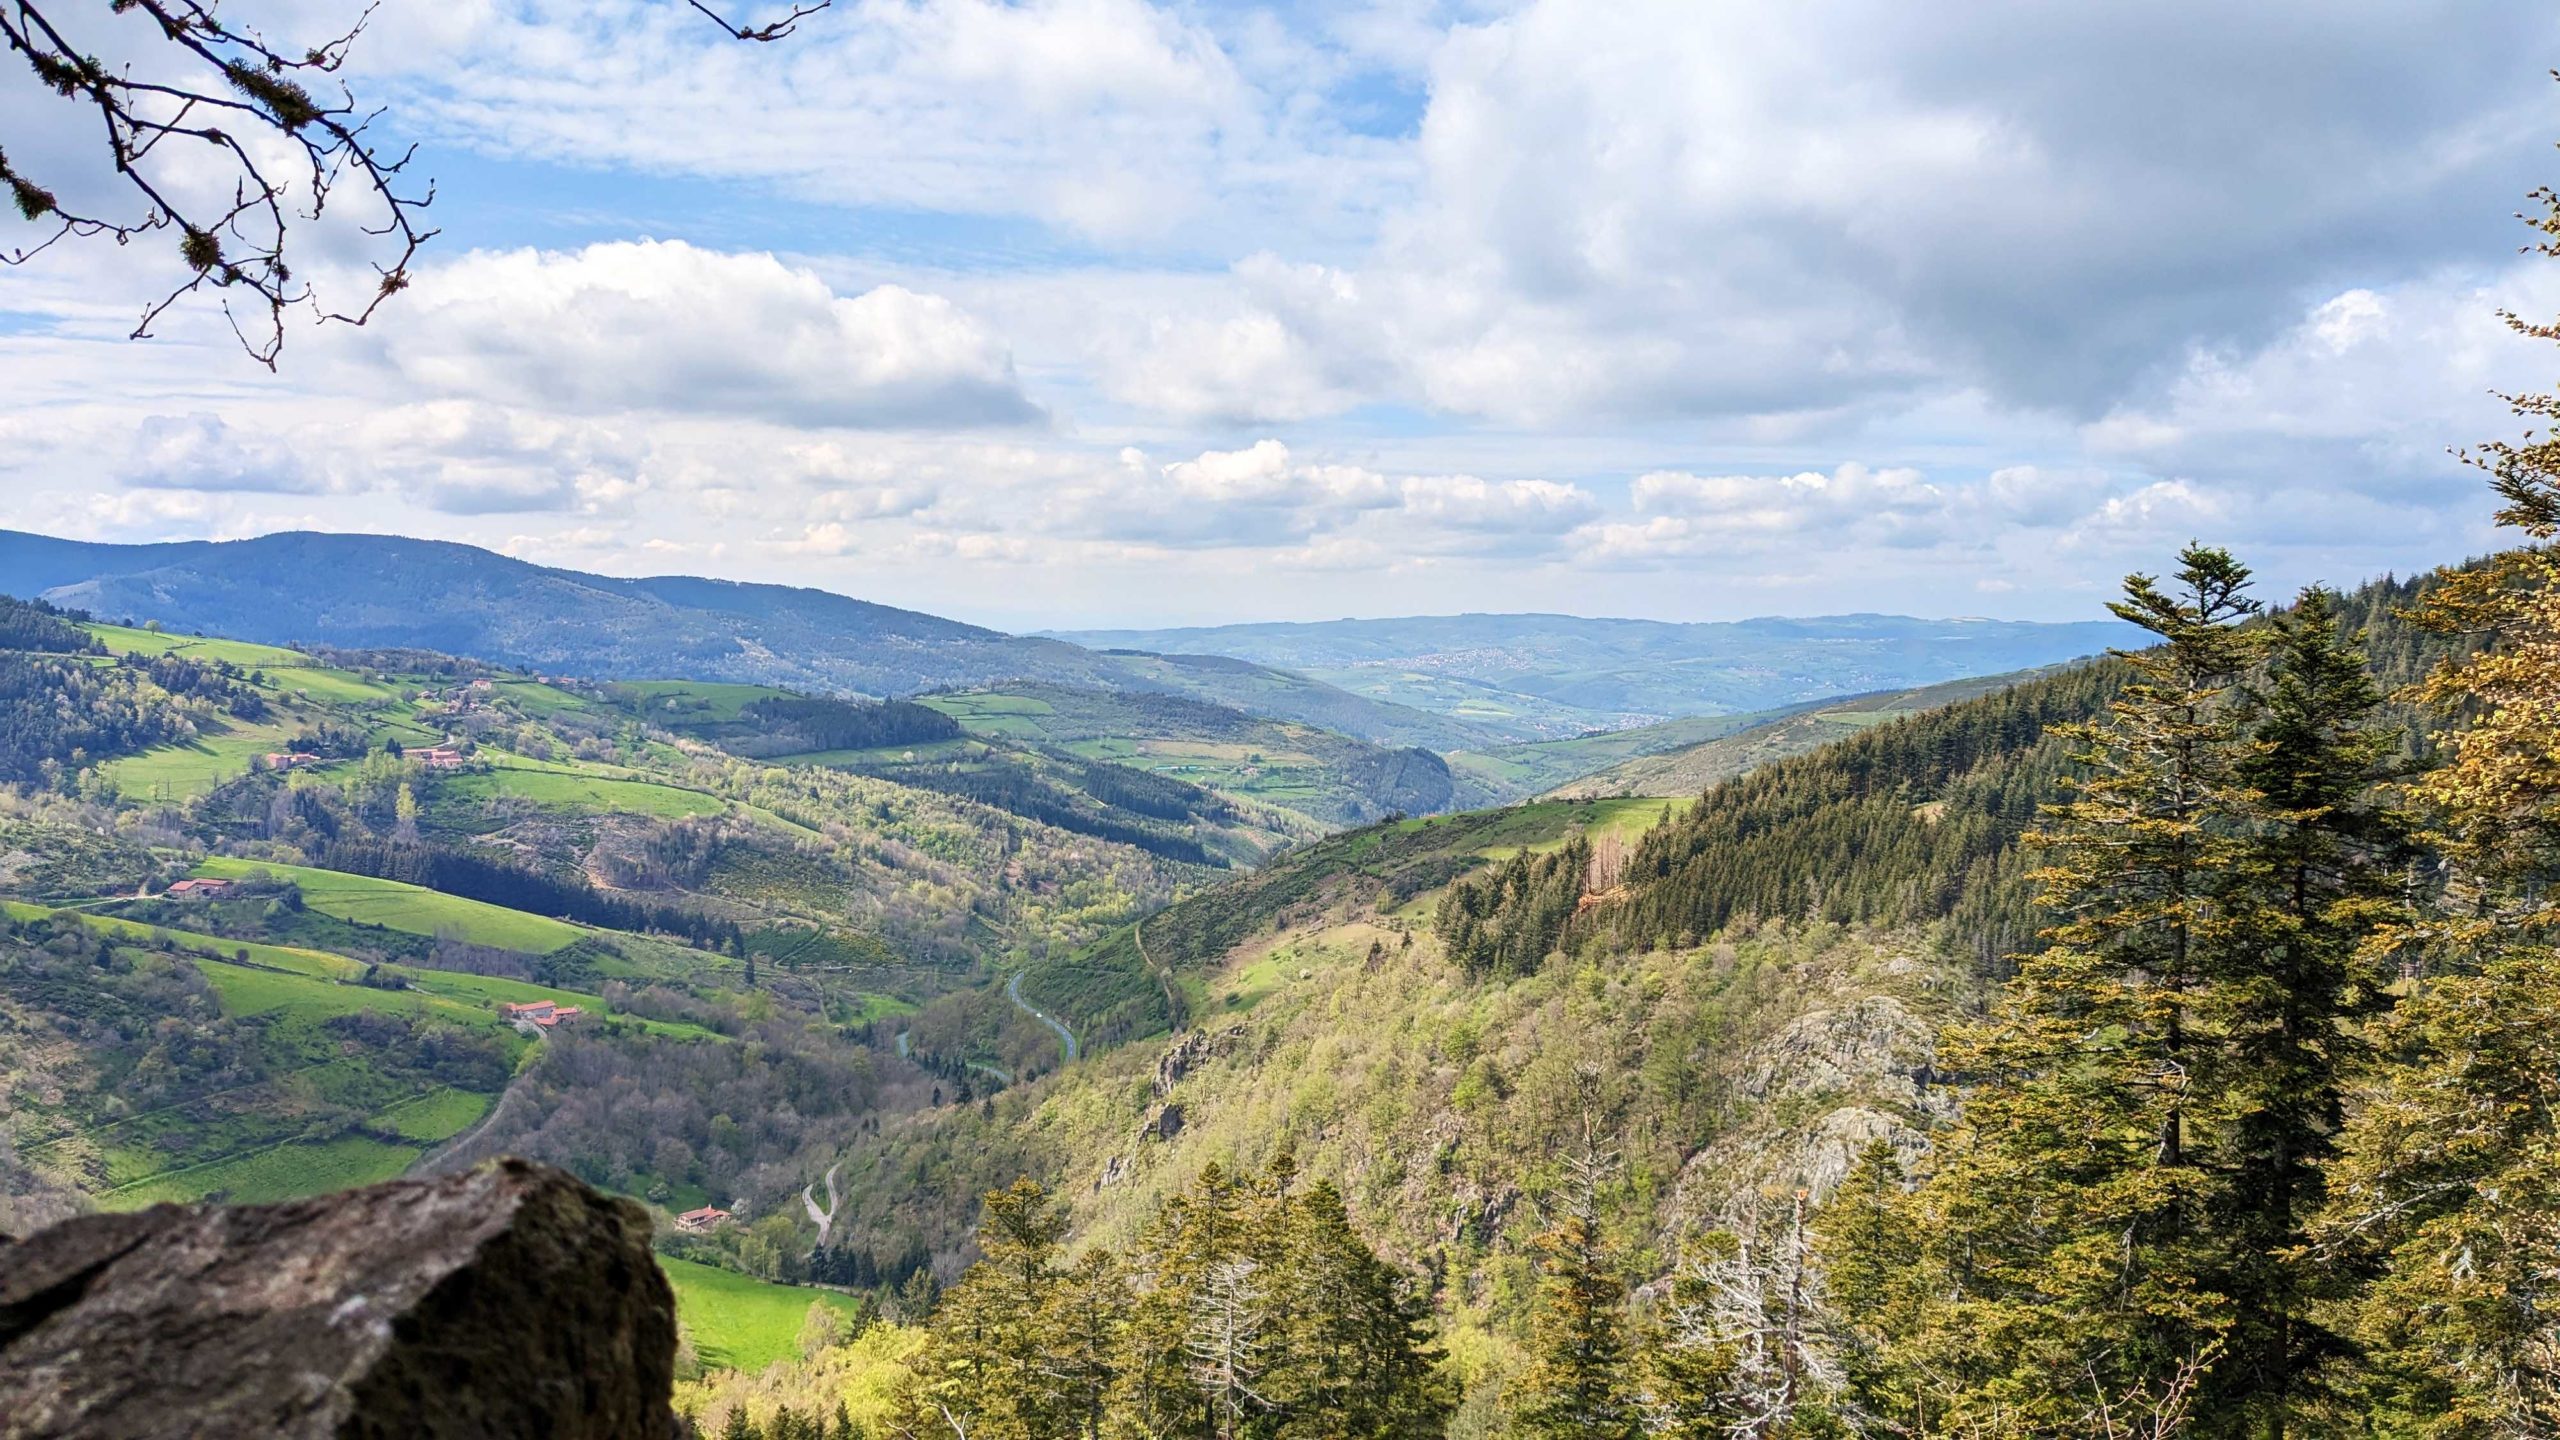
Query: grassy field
x=1546, y=825
x=280, y=1172
x=540, y=700
x=249, y=991
x=1014, y=717
x=693, y=701
x=180, y=772
x=741, y=1323
x=452, y=993
x=322, y=683
x=125, y=640
x=436, y=1115
x=316, y=963
x=557, y=790
x=395, y=906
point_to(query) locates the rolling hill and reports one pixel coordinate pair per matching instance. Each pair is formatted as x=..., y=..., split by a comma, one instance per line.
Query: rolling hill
x=385, y=592
x=1555, y=675
x=1693, y=765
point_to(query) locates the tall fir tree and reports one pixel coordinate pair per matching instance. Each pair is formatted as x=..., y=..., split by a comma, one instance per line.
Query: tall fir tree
x=992, y=1336
x=1869, y=1246
x=1578, y=1384
x=2316, y=877
x=2071, y=1214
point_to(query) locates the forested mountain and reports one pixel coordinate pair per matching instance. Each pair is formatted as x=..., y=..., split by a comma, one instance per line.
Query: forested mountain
x=386, y=592
x=1422, y=1112
x=1555, y=675
x=1742, y=995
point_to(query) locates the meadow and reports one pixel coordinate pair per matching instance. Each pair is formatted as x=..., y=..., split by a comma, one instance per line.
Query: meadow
x=585, y=793
x=739, y=1322
x=397, y=906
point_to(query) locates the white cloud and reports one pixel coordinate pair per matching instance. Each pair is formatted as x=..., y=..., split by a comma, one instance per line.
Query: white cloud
x=200, y=452
x=663, y=325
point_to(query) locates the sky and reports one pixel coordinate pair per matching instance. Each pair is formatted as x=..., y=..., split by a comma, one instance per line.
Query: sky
x=1070, y=313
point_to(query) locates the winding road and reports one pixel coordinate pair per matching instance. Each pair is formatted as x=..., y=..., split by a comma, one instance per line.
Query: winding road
x=825, y=1219
x=1013, y=992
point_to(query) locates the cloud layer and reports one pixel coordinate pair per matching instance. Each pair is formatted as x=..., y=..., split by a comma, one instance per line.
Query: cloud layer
x=1065, y=311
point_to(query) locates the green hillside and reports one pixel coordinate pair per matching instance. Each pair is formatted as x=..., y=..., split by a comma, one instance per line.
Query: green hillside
x=1695, y=762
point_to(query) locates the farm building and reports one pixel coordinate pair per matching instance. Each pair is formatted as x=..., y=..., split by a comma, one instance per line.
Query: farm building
x=702, y=1221
x=198, y=889
x=542, y=1013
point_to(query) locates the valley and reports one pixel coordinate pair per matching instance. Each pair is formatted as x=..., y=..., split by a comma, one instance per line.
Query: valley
x=286, y=921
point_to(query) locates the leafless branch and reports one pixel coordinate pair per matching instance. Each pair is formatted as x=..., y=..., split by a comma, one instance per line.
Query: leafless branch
x=235, y=83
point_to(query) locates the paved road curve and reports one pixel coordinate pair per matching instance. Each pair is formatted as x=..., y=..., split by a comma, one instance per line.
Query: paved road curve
x=1013, y=992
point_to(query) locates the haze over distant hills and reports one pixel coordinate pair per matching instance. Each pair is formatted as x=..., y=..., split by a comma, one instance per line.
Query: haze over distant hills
x=1445, y=683
x=1562, y=673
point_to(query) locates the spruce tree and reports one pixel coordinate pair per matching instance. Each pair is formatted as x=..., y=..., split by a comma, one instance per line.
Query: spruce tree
x=1871, y=1253
x=1088, y=1307
x=2313, y=881
x=1353, y=1350
x=2071, y=1218
x=991, y=1336
x=1577, y=1385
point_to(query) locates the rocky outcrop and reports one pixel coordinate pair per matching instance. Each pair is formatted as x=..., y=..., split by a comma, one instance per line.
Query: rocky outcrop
x=508, y=1300
x=1189, y=1051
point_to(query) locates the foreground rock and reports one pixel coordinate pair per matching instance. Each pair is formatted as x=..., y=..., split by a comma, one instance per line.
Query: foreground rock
x=509, y=1300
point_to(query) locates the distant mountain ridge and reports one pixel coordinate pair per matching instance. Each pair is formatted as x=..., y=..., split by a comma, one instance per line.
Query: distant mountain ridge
x=379, y=591
x=1559, y=674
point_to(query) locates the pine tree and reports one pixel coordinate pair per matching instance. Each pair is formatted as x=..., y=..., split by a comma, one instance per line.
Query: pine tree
x=1870, y=1250
x=2071, y=1215
x=991, y=1335
x=1195, y=1234
x=2313, y=882
x=1577, y=1383
x=1088, y=1308
x=1352, y=1348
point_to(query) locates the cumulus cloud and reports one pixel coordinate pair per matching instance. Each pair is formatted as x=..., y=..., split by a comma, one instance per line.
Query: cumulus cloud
x=466, y=458
x=1654, y=207
x=201, y=452
x=663, y=325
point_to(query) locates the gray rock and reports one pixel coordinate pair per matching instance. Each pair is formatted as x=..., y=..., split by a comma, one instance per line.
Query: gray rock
x=508, y=1300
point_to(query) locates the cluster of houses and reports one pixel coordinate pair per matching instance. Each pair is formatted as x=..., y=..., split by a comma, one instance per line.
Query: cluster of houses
x=540, y=1014
x=439, y=757
x=289, y=760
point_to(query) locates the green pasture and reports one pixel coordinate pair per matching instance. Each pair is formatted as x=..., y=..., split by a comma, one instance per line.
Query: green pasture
x=180, y=772
x=127, y=640
x=695, y=700
x=278, y=1172
x=569, y=790
x=436, y=1115
x=393, y=905
x=740, y=1322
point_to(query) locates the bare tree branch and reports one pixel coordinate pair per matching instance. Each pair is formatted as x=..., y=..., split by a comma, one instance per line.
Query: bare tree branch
x=233, y=88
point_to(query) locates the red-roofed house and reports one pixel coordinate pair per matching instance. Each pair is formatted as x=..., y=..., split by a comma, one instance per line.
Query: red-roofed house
x=440, y=758
x=192, y=889
x=702, y=1221
x=543, y=1013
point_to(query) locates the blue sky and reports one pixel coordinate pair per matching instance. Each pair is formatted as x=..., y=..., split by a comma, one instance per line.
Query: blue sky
x=1095, y=312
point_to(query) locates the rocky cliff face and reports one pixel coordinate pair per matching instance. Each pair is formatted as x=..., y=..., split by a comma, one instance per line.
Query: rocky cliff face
x=510, y=1300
